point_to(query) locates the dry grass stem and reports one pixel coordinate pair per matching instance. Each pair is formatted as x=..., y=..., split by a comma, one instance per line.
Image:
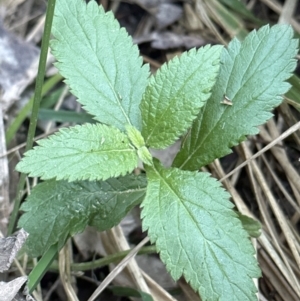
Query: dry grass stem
x=281, y=220
x=118, y=269
x=67, y=280
x=288, y=132
x=278, y=8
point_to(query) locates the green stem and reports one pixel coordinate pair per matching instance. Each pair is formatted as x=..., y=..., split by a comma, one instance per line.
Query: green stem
x=41, y=268
x=45, y=263
x=35, y=107
x=86, y=266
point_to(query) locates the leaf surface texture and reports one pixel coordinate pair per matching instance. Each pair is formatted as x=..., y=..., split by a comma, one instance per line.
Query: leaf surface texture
x=190, y=218
x=175, y=94
x=57, y=209
x=90, y=151
x=99, y=61
x=252, y=76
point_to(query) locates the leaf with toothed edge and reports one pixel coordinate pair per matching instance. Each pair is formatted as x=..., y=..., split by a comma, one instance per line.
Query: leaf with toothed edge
x=90, y=151
x=176, y=93
x=62, y=209
x=252, y=75
x=191, y=220
x=101, y=64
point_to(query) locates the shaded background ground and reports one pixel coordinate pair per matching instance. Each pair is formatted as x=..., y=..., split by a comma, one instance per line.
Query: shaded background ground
x=268, y=188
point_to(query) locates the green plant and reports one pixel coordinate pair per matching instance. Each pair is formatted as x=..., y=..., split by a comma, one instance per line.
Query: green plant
x=87, y=167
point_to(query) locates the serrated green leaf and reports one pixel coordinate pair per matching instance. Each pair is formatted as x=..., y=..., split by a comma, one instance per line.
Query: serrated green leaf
x=57, y=209
x=99, y=61
x=252, y=75
x=90, y=151
x=190, y=218
x=175, y=94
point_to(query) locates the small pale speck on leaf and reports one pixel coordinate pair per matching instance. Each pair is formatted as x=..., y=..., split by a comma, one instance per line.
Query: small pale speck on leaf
x=226, y=101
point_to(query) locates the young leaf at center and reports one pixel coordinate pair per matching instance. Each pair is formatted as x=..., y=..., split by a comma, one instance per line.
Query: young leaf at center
x=190, y=218
x=175, y=94
x=90, y=151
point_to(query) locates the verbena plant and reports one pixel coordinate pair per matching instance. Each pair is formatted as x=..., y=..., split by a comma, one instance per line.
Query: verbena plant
x=88, y=168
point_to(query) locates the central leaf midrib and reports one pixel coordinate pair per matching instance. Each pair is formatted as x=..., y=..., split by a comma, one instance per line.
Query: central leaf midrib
x=208, y=134
x=174, y=192
x=101, y=67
